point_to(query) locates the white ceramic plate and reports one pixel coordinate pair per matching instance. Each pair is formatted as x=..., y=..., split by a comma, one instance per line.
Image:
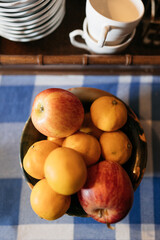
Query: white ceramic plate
x=37, y=30
x=40, y=34
x=29, y=9
x=37, y=21
x=33, y=23
x=16, y=3
x=30, y=17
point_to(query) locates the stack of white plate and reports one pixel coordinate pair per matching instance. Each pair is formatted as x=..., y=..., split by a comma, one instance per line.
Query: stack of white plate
x=29, y=20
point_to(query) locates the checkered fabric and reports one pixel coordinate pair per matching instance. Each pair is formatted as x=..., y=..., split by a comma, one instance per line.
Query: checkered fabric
x=17, y=220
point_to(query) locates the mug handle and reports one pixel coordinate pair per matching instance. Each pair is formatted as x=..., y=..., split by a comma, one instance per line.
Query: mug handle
x=103, y=35
x=74, y=42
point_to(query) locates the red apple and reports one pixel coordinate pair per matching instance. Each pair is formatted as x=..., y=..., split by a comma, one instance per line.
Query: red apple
x=107, y=195
x=57, y=113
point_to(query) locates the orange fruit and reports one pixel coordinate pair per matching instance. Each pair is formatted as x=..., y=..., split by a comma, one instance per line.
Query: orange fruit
x=85, y=144
x=46, y=203
x=108, y=113
x=58, y=141
x=35, y=157
x=65, y=170
x=89, y=127
x=116, y=146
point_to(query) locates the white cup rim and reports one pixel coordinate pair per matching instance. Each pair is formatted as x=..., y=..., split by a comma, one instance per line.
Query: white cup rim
x=119, y=22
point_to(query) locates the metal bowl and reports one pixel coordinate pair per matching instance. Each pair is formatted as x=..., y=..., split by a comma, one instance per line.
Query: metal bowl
x=135, y=166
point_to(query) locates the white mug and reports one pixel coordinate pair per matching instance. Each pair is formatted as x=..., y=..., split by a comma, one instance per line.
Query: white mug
x=91, y=45
x=111, y=21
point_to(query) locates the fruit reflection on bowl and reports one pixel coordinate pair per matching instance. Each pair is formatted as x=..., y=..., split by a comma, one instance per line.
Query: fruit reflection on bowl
x=135, y=166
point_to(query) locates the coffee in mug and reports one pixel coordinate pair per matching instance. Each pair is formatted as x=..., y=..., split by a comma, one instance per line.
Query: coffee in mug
x=110, y=22
x=118, y=10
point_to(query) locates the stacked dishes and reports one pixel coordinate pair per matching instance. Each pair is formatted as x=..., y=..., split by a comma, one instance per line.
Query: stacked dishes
x=29, y=20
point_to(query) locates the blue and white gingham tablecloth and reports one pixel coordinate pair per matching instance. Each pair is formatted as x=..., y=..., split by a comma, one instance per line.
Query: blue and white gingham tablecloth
x=17, y=220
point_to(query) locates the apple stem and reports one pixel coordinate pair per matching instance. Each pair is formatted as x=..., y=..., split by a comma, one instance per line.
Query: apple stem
x=41, y=108
x=110, y=227
x=100, y=213
x=104, y=216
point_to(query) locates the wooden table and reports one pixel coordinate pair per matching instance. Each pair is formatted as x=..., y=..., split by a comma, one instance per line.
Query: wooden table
x=55, y=53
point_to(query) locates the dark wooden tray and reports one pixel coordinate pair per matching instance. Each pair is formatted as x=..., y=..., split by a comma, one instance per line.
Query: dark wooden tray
x=55, y=53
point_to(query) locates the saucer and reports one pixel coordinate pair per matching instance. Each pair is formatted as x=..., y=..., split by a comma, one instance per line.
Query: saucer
x=92, y=46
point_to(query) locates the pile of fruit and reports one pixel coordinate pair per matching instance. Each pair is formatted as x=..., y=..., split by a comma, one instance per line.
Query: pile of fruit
x=82, y=155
